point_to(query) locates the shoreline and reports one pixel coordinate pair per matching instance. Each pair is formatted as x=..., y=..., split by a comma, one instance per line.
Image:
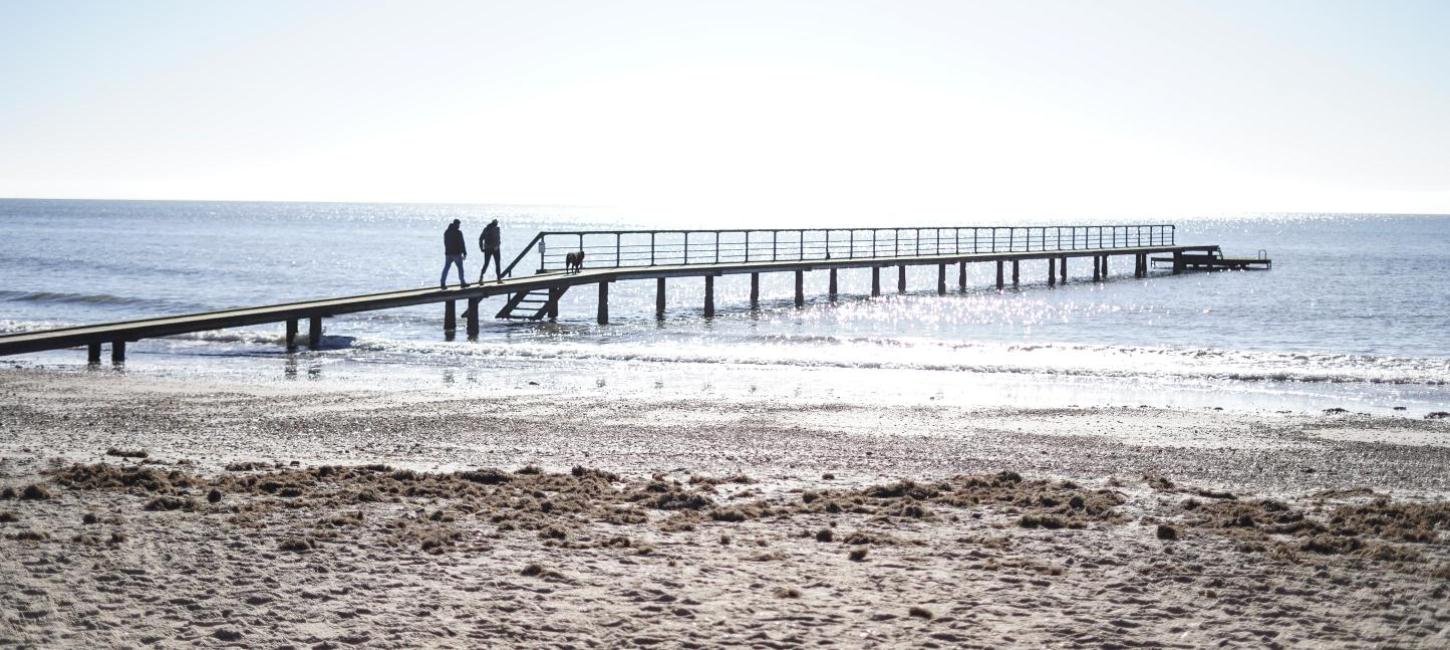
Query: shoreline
x=347, y=517
x=75, y=417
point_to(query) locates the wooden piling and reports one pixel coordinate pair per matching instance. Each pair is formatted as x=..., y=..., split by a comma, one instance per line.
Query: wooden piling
x=93, y=353
x=551, y=308
x=800, y=288
x=709, y=296
x=291, y=334
x=1062, y=267
x=754, y=291
x=962, y=276
x=1014, y=274
x=875, y=281
x=659, y=298
x=941, y=279
x=1052, y=271
x=901, y=279
x=1177, y=263
x=314, y=332
x=604, y=302
x=471, y=316
x=450, y=316
x=1097, y=260
x=831, y=286
x=1000, y=284
x=118, y=351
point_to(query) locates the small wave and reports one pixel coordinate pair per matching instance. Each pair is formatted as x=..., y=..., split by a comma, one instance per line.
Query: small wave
x=98, y=299
x=1128, y=363
x=24, y=326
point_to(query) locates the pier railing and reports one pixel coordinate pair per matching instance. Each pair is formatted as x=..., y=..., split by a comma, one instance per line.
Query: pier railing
x=646, y=248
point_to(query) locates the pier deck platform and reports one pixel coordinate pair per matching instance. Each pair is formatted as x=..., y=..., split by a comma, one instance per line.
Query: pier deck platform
x=536, y=296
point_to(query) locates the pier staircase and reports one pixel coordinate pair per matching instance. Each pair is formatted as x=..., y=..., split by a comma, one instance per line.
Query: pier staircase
x=532, y=304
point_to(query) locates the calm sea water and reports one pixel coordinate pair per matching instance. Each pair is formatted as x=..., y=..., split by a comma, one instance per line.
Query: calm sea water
x=1353, y=313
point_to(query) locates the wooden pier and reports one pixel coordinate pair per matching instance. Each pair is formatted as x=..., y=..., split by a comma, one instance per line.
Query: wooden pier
x=614, y=256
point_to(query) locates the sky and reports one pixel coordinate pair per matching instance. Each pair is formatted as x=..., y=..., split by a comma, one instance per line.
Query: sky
x=920, y=111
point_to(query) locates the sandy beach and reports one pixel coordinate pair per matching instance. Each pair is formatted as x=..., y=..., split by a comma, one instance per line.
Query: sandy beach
x=161, y=512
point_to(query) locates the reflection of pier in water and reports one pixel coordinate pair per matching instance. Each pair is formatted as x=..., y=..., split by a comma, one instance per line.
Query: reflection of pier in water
x=613, y=256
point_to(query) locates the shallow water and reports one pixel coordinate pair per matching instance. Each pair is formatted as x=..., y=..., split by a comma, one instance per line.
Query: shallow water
x=1352, y=313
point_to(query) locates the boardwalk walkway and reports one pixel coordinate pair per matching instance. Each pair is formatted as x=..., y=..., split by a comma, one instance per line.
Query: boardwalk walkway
x=614, y=256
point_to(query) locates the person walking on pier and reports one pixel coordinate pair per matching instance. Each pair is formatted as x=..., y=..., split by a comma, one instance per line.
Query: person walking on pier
x=453, y=253
x=488, y=242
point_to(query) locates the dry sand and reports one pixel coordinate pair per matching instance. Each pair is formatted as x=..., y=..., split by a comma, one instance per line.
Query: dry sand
x=265, y=516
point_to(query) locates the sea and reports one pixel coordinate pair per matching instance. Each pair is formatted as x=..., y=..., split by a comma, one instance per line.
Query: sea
x=1354, y=314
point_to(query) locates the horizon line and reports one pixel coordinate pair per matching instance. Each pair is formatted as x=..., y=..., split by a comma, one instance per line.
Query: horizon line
x=608, y=207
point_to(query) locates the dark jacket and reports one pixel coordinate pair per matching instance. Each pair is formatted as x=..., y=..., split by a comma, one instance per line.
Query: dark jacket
x=489, y=239
x=453, y=242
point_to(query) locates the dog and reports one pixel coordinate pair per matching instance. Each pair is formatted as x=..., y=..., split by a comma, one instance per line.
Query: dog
x=574, y=262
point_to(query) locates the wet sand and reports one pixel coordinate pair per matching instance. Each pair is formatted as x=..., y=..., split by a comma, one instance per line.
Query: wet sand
x=265, y=515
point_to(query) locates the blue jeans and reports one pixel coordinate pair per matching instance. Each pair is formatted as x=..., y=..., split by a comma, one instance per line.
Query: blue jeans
x=450, y=260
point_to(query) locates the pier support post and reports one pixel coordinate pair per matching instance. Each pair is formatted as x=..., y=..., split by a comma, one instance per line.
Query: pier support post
x=1177, y=262
x=291, y=335
x=831, y=286
x=875, y=281
x=604, y=302
x=941, y=279
x=93, y=353
x=1062, y=267
x=754, y=291
x=1000, y=283
x=470, y=317
x=1105, y=267
x=118, y=351
x=709, y=296
x=962, y=276
x=551, y=307
x=1097, y=262
x=450, y=318
x=659, y=298
x=800, y=288
x=314, y=332
x=1014, y=274
x=901, y=279
x=1052, y=271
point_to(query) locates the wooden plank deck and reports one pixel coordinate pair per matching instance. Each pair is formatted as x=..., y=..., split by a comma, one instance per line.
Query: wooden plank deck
x=314, y=310
x=1210, y=262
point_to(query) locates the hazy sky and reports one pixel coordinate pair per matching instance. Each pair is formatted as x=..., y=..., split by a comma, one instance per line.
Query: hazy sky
x=925, y=110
